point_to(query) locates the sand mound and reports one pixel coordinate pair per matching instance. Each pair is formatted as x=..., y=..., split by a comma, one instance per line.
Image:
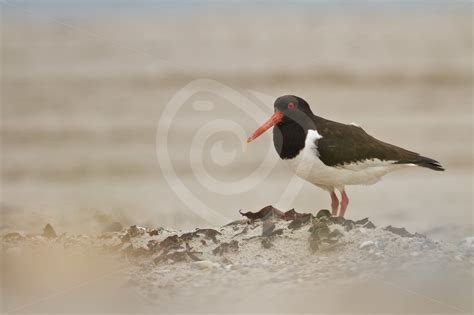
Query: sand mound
x=253, y=258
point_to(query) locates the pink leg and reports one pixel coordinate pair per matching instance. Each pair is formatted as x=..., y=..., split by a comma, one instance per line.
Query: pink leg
x=334, y=203
x=344, y=203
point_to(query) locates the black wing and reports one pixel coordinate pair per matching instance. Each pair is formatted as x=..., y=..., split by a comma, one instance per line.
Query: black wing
x=343, y=144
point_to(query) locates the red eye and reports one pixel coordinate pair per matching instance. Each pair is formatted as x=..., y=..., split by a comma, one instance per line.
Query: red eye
x=291, y=105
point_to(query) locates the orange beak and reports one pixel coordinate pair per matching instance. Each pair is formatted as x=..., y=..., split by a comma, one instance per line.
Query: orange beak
x=275, y=119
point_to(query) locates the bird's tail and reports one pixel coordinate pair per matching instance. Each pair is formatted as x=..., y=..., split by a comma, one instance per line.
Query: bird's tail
x=424, y=162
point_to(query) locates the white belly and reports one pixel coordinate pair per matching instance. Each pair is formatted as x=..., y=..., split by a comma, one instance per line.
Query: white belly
x=308, y=166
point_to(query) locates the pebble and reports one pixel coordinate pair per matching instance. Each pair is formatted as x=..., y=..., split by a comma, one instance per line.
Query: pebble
x=366, y=244
x=206, y=264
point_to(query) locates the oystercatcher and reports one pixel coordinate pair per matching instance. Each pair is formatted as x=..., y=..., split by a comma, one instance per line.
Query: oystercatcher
x=332, y=155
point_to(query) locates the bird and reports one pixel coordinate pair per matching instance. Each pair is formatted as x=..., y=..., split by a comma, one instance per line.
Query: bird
x=333, y=155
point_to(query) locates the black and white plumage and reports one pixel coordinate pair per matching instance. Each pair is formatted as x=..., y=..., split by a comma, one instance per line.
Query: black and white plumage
x=332, y=155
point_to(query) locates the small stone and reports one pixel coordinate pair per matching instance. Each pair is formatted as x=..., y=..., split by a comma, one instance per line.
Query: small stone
x=206, y=264
x=49, y=232
x=366, y=244
x=155, y=232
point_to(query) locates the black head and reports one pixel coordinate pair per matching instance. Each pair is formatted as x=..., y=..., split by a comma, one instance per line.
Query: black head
x=294, y=109
x=289, y=110
x=291, y=103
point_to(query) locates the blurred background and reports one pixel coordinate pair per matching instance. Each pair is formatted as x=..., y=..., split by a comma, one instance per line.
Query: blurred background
x=84, y=84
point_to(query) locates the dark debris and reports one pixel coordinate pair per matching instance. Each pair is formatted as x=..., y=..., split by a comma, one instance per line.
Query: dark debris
x=300, y=221
x=402, y=232
x=264, y=213
x=269, y=212
x=177, y=248
x=49, y=232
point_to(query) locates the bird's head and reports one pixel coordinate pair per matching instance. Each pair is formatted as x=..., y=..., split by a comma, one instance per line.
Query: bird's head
x=289, y=109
